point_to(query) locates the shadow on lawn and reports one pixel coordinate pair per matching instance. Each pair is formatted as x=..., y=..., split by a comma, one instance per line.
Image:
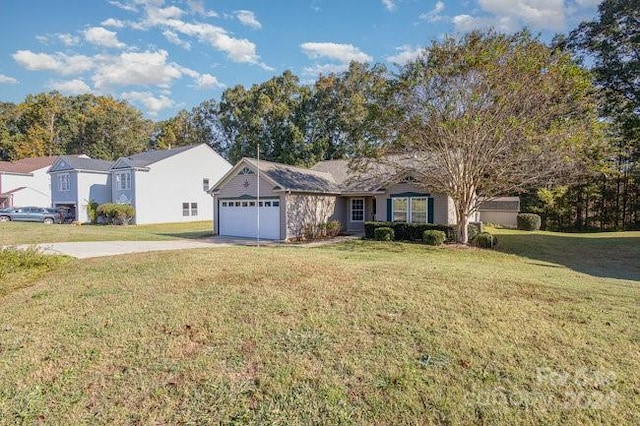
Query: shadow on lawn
x=192, y=235
x=593, y=254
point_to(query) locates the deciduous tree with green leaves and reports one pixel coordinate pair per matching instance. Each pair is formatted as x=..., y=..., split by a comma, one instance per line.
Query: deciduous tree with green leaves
x=490, y=114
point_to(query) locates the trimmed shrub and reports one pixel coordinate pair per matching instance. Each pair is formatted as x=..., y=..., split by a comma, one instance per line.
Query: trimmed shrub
x=333, y=228
x=433, y=237
x=383, y=234
x=484, y=240
x=117, y=213
x=474, y=228
x=409, y=231
x=92, y=212
x=528, y=221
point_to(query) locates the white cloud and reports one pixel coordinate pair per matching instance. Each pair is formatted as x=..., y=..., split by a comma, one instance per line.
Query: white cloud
x=341, y=52
x=547, y=14
x=434, y=14
x=510, y=15
x=68, y=39
x=197, y=7
x=175, y=39
x=406, y=53
x=43, y=39
x=248, y=18
x=207, y=81
x=466, y=23
x=588, y=3
x=103, y=37
x=111, y=22
x=318, y=69
x=237, y=50
x=154, y=104
x=390, y=5
x=143, y=68
x=123, y=6
x=70, y=87
x=5, y=79
x=58, y=62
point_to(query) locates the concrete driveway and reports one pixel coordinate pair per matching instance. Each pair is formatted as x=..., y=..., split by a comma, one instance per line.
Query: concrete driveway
x=85, y=250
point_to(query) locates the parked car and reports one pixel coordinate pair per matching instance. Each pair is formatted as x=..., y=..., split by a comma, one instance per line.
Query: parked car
x=32, y=214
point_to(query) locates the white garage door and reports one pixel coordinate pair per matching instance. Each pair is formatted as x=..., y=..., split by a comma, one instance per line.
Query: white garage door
x=239, y=218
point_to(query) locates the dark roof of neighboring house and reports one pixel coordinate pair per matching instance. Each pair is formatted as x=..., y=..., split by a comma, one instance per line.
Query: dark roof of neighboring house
x=296, y=178
x=85, y=163
x=144, y=159
x=27, y=165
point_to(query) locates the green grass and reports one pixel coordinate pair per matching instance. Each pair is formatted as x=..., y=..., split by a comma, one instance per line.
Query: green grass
x=18, y=268
x=13, y=233
x=358, y=333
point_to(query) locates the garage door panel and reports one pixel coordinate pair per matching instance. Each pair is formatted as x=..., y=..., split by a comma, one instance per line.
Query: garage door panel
x=242, y=221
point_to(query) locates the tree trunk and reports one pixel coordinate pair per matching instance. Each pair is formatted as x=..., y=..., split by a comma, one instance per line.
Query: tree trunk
x=463, y=228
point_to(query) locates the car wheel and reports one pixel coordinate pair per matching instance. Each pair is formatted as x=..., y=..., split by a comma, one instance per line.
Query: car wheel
x=5, y=219
x=48, y=220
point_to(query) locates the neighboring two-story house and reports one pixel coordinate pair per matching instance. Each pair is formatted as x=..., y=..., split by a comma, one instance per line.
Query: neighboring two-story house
x=163, y=186
x=168, y=185
x=25, y=182
x=77, y=181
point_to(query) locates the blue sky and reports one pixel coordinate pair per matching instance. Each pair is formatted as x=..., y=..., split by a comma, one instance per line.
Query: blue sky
x=164, y=55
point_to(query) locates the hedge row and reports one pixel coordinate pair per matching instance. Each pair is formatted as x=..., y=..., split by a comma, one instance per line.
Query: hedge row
x=409, y=231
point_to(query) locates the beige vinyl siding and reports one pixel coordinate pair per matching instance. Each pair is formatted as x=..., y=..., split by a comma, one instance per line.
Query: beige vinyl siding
x=235, y=187
x=302, y=209
x=443, y=209
x=502, y=218
x=444, y=212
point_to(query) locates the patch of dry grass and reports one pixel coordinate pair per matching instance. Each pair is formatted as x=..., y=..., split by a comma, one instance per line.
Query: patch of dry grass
x=15, y=233
x=360, y=333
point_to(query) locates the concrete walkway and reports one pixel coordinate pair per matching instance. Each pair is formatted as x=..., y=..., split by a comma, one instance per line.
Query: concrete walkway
x=89, y=249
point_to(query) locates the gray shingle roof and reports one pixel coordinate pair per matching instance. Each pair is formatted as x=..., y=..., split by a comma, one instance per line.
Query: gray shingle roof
x=354, y=182
x=144, y=159
x=296, y=178
x=82, y=163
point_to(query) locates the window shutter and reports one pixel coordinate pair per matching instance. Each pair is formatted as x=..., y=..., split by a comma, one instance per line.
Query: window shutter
x=430, y=210
x=389, y=212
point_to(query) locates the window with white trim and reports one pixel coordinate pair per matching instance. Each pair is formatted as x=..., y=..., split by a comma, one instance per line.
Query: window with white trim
x=185, y=209
x=123, y=181
x=357, y=210
x=418, y=210
x=64, y=184
x=409, y=209
x=400, y=208
x=205, y=184
x=194, y=209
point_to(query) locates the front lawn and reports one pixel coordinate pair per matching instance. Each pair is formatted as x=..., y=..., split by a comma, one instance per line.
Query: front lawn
x=358, y=333
x=13, y=233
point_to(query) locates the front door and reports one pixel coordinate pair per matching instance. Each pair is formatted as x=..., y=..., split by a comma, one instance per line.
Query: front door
x=356, y=214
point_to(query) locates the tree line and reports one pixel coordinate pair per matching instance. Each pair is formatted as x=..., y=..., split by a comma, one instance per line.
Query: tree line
x=463, y=100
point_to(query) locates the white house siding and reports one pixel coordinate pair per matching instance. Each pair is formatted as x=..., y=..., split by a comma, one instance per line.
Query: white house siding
x=307, y=209
x=92, y=186
x=160, y=192
x=37, y=192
